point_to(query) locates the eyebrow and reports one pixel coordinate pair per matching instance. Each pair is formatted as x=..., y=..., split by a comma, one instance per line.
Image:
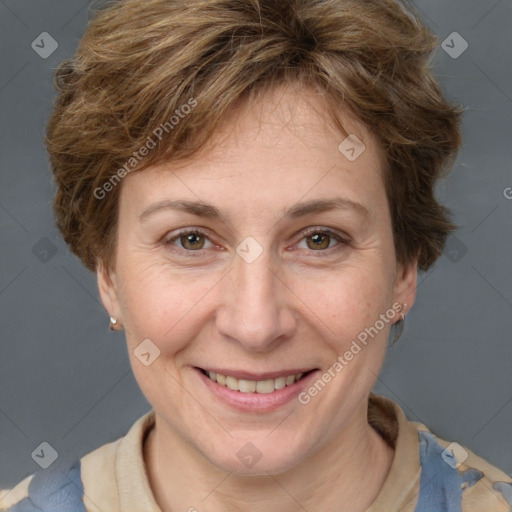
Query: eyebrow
x=299, y=210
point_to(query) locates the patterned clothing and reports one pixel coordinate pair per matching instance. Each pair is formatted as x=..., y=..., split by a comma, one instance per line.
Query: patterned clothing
x=428, y=474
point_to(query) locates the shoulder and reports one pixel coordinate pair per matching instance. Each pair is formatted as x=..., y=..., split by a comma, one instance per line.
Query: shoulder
x=67, y=488
x=58, y=490
x=441, y=475
x=81, y=486
x=452, y=473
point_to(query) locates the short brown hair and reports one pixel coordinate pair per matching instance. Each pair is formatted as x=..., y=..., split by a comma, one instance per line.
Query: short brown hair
x=139, y=63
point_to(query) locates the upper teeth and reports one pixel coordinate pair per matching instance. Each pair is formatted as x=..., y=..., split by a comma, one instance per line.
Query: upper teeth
x=254, y=386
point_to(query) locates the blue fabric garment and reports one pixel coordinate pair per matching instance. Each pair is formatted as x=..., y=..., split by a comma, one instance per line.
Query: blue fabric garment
x=441, y=483
x=54, y=491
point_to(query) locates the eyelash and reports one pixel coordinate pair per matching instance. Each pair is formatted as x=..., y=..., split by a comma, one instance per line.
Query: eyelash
x=342, y=242
x=325, y=231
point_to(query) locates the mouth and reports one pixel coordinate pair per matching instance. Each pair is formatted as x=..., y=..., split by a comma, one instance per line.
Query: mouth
x=267, y=383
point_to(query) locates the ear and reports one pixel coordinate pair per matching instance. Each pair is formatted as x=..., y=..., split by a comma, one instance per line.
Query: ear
x=406, y=284
x=108, y=290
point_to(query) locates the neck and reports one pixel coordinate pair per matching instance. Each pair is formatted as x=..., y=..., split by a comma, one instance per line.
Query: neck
x=349, y=470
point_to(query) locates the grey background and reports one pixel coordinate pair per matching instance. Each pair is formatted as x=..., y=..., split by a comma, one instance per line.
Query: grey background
x=65, y=379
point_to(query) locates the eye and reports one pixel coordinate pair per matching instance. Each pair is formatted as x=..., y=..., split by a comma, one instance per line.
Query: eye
x=189, y=240
x=318, y=239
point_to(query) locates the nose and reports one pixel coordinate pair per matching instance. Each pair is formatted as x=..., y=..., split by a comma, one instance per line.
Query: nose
x=256, y=305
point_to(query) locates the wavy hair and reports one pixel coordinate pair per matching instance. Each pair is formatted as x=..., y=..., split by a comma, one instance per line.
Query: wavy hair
x=138, y=63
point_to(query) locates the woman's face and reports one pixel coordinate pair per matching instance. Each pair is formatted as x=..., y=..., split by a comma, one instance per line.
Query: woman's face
x=290, y=269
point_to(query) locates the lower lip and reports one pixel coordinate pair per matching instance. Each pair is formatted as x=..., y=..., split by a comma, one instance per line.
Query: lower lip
x=256, y=402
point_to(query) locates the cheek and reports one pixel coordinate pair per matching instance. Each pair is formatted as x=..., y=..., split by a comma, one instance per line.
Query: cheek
x=161, y=307
x=348, y=299
x=159, y=303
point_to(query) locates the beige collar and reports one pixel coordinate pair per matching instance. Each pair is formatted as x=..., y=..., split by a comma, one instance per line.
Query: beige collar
x=383, y=414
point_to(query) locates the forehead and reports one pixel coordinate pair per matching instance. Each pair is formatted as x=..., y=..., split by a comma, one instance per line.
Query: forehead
x=276, y=150
x=284, y=120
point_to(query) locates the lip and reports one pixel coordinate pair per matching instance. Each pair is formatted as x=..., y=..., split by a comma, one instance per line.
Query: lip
x=256, y=402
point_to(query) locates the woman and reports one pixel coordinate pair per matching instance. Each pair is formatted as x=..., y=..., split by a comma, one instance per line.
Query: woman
x=252, y=181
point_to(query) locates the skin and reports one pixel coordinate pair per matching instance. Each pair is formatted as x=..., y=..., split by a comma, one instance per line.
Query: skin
x=294, y=306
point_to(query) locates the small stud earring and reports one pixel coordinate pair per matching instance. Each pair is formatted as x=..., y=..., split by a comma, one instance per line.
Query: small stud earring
x=402, y=315
x=113, y=323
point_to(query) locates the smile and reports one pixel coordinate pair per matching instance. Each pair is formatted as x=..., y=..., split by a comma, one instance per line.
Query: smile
x=255, y=392
x=253, y=386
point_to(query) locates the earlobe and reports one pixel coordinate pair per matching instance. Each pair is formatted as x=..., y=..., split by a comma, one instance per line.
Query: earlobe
x=108, y=291
x=406, y=284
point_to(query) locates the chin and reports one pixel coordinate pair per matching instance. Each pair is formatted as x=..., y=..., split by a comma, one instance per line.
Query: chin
x=253, y=458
